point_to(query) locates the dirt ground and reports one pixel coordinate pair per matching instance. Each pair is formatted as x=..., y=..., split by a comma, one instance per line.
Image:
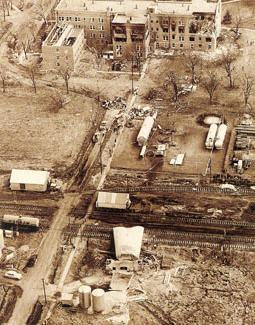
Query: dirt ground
x=34, y=136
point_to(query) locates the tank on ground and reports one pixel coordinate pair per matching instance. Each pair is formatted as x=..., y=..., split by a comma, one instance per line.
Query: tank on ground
x=145, y=131
x=210, y=139
x=98, y=300
x=221, y=134
x=85, y=296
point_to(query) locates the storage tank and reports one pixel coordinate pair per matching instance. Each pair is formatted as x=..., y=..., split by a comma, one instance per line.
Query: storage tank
x=211, y=136
x=222, y=130
x=85, y=296
x=98, y=300
x=145, y=131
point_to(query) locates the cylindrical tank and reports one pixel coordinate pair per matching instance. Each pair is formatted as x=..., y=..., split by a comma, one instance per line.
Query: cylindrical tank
x=98, y=300
x=85, y=296
x=211, y=136
x=145, y=131
x=222, y=130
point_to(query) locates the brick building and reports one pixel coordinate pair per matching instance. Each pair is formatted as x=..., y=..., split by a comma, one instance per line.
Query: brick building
x=141, y=26
x=62, y=47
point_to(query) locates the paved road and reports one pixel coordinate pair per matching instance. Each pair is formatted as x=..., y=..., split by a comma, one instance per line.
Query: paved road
x=32, y=281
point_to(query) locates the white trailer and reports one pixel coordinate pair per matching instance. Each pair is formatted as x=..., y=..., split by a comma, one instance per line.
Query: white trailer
x=221, y=134
x=145, y=131
x=211, y=136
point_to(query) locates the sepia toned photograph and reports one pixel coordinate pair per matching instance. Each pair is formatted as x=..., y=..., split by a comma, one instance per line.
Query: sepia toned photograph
x=127, y=162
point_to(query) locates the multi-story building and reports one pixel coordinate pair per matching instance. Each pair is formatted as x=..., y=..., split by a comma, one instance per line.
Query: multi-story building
x=142, y=25
x=63, y=47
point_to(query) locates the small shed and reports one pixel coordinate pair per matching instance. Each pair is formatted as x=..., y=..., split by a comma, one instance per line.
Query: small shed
x=29, y=180
x=113, y=200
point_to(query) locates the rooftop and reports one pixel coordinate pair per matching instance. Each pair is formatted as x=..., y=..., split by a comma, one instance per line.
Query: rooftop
x=123, y=19
x=112, y=200
x=21, y=176
x=62, y=35
x=132, y=7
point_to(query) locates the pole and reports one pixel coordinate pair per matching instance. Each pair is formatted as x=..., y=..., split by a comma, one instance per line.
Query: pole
x=101, y=162
x=132, y=69
x=44, y=291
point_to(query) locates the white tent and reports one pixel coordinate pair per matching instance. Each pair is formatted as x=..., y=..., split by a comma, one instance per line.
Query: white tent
x=128, y=241
x=29, y=180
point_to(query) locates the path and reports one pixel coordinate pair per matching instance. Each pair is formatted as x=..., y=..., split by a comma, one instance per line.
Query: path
x=32, y=281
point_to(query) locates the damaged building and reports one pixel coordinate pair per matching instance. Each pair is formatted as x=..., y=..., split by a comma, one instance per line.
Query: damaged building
x=137, y=27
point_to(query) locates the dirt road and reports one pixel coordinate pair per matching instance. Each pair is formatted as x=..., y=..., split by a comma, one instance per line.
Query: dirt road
x=32, y=281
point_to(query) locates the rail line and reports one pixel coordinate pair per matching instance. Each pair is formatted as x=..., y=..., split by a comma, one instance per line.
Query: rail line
x=164, y=220
x=40, y=210
x=183, y=189
x=177, y=238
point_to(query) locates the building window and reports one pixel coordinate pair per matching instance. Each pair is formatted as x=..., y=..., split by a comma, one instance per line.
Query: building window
x=165, y=37
x=91, y=19
x=192, y=39
x=152, y=29
x=75, y=18
x=157, y=29
x=181, y=23
x=165, y=30
x=101, y=20
x=151, y=21
x=181, y=29
x=157, y=45
x=208, y=39
x=92, y=27
x=191, y=45
x=173, y=45
x=57, y=64
x=200, y=45
x=181, y=38
x=101, y=35
x=101, y=27
x=209, y=46
x=165, y=22
x=181, y=45
x=173, y=36
x=156, y=21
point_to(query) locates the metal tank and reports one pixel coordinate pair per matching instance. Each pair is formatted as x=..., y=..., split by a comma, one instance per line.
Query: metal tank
x=222, y=130
x=98, y=300
x=210, y=139
x=145, y=131
x=85, y=296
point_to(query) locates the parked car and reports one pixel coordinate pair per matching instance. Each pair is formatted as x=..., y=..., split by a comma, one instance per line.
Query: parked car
x=13, y=275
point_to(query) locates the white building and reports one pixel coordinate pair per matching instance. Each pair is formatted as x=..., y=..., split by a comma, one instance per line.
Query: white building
x=128, y=242
x=29, y=180
x=113, y=200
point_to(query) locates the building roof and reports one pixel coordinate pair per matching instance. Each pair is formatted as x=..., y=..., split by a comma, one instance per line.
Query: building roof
x=141, y=6
x=114, y=200
x=21, y=176
x=128, y=241
x=123, y=19
x=186, y=8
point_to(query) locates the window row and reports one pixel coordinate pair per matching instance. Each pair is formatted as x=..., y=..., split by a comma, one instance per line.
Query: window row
x=61, y=18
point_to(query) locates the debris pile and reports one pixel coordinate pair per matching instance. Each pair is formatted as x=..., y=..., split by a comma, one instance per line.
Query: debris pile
x=115, y=103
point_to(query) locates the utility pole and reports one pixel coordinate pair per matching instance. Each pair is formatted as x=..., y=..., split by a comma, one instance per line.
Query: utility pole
x=132, y=75
x=44, y=291
x=101, y=159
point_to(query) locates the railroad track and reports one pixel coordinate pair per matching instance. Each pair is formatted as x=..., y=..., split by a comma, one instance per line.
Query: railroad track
x=168, y=220
x=41, y=210
x=183, y=189
x=184, y=239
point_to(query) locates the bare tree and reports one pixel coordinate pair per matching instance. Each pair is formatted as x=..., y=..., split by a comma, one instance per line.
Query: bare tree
x=3, y=77
x=247, y=88
x=210, y=83
x=4, y=8
x=65, y=73
x=236, y=26
x=57, y=101
x=40, y=10
x=173, y=80
x=192, y=62
x=227, y=60
x=32, y=72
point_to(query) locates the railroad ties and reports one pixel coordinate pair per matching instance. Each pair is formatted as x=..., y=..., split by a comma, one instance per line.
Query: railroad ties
x=183, y=189
x=35, y=209
x=177, y=238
